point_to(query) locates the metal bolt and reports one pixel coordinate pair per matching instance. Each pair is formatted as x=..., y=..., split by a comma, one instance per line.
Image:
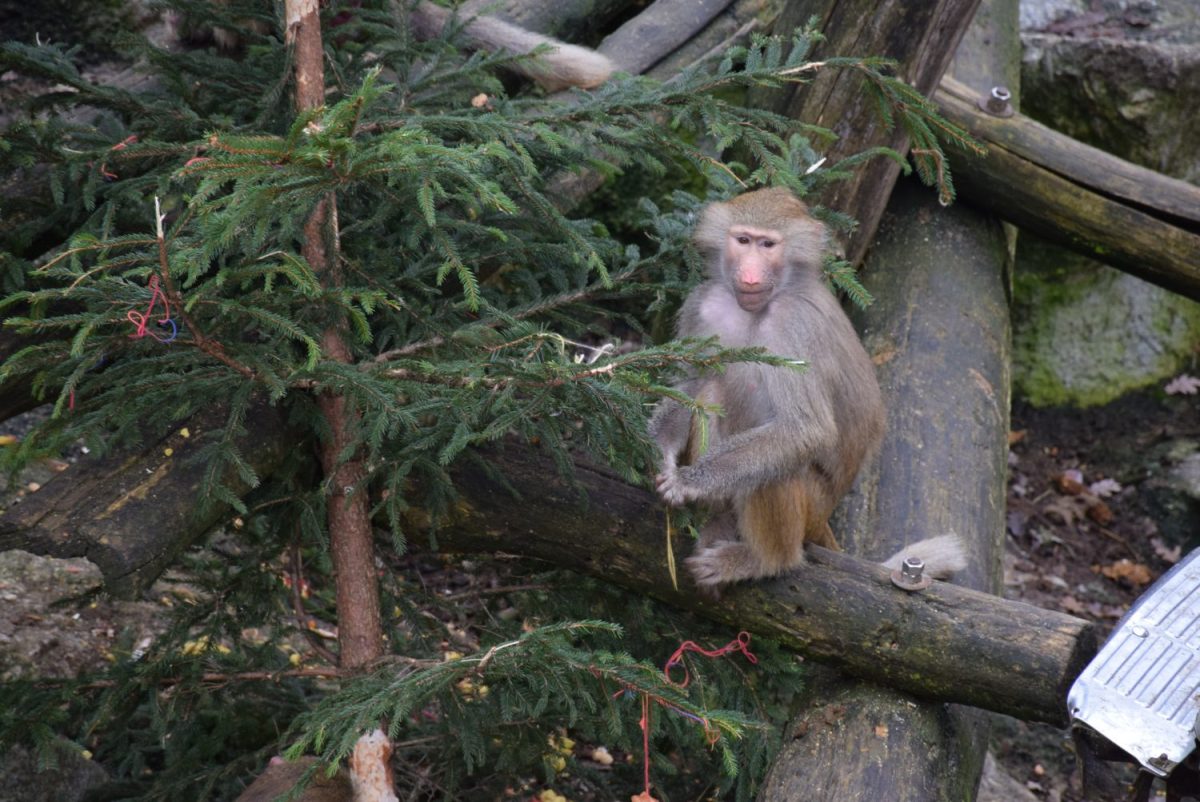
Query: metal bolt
x=912, y=569
x=1162, y=762
x=997, y=103
x=911, y=575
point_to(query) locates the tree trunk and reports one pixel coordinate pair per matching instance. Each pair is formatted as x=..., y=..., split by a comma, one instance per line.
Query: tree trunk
x=360, y=627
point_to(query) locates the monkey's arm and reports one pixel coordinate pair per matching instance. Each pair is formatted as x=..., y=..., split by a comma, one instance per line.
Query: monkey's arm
x=669, y=426
x=747, y=460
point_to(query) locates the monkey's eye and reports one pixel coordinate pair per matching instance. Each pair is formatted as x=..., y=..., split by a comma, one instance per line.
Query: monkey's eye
x=768, y=243
x=742, y=239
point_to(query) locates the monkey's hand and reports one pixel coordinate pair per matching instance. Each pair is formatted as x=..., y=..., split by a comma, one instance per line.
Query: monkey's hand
x=673, y=486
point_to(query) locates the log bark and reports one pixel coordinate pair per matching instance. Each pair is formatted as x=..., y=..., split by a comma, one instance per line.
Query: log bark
x=940, y=337
x=132, y=514
x=1069, y=193
x=571, y=20
x=946, y=643
x=664, y=26
x=921, y=37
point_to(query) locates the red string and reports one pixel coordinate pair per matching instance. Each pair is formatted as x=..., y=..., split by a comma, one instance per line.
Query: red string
x=739, y=644
x=645, y=724
x=141, y=319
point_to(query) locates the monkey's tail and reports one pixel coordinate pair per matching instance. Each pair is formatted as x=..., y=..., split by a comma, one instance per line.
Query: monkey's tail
x=943, y=555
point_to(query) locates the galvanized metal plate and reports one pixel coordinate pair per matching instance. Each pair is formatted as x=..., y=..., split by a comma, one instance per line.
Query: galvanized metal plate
x=1142, y=691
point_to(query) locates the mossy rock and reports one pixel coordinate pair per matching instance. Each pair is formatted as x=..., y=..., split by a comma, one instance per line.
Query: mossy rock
x=1084, y=334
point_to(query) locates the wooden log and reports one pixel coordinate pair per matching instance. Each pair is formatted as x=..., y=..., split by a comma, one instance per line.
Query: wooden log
x=941, y=341
x=1069, y=193
x=946, y=643
x=733, y=26
x=939, y=332
x=132, y=514
x=921, y=37
x=570, y=20
x=662, y=27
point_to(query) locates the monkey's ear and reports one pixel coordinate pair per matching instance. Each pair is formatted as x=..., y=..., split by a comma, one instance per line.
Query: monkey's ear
x=712, y=227
x=807, y=239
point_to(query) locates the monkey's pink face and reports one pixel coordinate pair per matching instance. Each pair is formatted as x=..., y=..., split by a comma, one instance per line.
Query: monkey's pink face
x=754, y=261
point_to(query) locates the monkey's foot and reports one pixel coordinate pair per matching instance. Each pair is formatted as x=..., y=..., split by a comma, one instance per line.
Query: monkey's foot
x=724, y=563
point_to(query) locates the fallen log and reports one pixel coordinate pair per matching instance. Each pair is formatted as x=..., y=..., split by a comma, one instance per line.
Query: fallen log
x=945, y=644
x=661, y=28
x=131, y=514
x=1072, y=194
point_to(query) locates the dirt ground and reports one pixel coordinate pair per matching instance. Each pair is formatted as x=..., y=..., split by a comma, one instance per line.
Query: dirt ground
x=1088, y=530
x=1090, y=526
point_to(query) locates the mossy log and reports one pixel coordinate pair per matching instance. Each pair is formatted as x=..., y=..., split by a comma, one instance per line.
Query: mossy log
x=945, y=643
x=1072, y=194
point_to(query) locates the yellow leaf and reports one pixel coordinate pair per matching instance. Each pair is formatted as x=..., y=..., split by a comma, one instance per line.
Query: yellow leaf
x=671, y=553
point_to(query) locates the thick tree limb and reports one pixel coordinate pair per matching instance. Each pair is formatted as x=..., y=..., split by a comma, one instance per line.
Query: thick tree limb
x=570, y=20
x=945, y=644
x=1134, y=219
x=664, y=26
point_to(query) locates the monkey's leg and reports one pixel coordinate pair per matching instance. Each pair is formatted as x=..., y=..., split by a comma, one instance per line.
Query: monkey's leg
x=721, y=527
x=771, y=522
x=822, y=535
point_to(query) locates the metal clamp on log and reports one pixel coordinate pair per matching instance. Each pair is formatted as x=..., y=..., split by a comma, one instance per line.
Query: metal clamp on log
x=911, y=575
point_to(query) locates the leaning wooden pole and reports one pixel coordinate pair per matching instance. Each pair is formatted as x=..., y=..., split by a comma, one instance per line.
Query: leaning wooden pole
x=939, y=333
x=1077, y=196
x=920, y=37
x=360, y=631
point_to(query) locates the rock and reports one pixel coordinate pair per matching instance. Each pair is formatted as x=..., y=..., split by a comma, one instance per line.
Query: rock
x=1172, y=493
x=1125, y=77
x=997, y=785
x=69, y=781
x=1085, y=333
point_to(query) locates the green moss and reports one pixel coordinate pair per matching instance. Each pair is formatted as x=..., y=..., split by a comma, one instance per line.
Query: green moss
x=1085, y=334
